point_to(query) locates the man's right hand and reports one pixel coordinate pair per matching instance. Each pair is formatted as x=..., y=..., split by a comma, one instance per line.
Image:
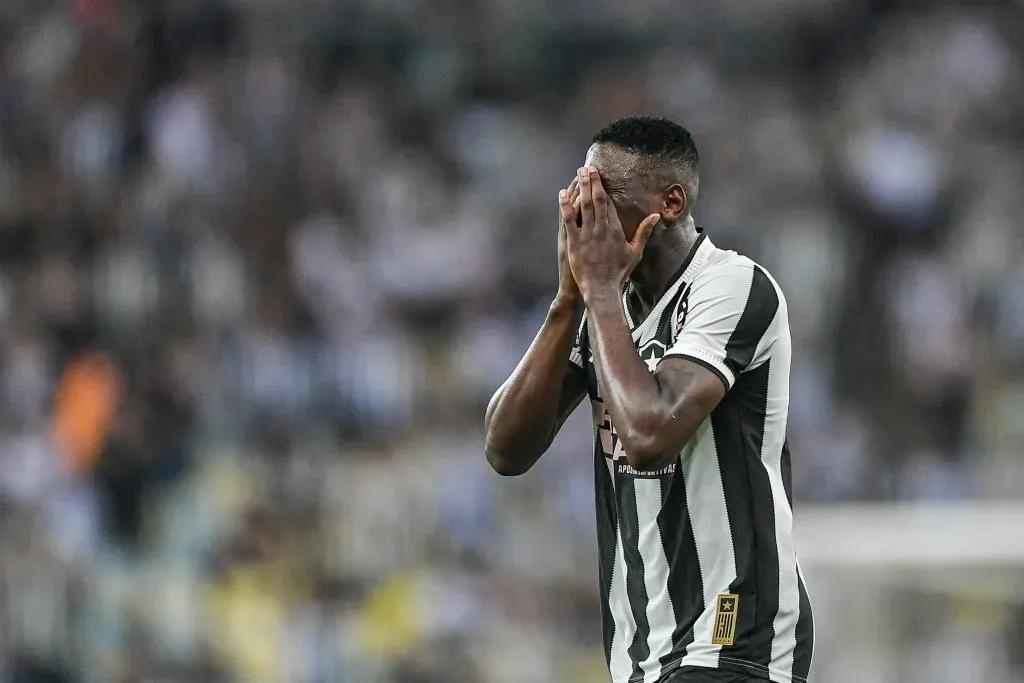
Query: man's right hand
x=568, y=290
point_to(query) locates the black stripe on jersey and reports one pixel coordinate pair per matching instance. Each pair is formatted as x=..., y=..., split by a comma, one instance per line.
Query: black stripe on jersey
x=707, y=366
x=606, y=522
x=590, y=371
x=734, y=467
x=787, y=473
x=804, y=636
x=667, y=320
x=758, y=313
x=739, y=423
x=685, y=584
x=636, y=590
x=633, y=308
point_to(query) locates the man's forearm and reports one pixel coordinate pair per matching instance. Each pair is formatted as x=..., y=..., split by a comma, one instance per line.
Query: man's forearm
x=629, y=391
x=523, y=413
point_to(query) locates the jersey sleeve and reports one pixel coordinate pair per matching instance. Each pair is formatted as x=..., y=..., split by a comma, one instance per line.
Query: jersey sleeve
x=726, y=322
x=576, y=355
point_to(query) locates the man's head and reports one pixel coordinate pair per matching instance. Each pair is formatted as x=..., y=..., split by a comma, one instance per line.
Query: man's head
x=647, y=165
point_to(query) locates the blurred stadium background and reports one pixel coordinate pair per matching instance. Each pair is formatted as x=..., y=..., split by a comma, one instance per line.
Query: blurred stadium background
x=262, y=262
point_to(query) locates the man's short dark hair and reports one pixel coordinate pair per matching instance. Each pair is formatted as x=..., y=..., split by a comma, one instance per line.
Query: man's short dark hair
x=665, y=151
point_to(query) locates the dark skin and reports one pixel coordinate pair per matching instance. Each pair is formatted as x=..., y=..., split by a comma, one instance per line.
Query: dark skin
x=526, y=412
x=654, y=414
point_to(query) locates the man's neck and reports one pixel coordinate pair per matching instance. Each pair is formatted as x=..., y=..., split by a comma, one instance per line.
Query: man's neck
x=666, y=250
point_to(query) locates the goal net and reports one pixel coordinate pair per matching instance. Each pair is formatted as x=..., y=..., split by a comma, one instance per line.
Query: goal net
x=921, y=594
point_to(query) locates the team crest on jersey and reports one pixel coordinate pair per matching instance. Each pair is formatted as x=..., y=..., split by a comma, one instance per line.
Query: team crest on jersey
x=726, y=615
x=652, y=353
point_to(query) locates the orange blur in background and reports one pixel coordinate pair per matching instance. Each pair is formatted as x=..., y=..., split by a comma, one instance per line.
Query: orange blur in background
x=85, y=407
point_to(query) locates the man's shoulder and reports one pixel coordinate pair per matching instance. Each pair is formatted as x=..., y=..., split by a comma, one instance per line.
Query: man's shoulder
x=728, y=276
x=724, y=266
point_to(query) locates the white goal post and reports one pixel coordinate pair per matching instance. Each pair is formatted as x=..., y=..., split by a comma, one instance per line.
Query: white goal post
x=970, y=535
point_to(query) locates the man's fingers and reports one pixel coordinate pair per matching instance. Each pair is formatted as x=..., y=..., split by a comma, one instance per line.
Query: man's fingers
x=586, y=197
x=643, y=233
x=597, y=193
x=565, y=209
x=574, y=199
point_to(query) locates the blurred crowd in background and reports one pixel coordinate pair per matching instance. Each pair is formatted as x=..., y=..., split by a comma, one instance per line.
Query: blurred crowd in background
x=263, y=262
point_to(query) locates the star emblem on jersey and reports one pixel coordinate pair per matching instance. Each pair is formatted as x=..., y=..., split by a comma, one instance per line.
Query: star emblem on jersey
x=652, y=353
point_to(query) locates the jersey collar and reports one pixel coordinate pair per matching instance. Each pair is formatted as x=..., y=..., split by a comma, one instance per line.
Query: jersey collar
x=692, y=265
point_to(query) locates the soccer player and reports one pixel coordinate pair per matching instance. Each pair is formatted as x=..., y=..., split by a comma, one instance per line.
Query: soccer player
x=684, y=351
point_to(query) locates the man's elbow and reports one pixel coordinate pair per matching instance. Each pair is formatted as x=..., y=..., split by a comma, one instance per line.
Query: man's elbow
x=508, y=461
x=507, y=467
x=647, y=451
x=647, y=461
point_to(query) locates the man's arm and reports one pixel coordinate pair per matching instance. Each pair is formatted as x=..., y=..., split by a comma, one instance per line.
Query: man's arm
x=654, y=414
x=731, y=318
x=527, y=411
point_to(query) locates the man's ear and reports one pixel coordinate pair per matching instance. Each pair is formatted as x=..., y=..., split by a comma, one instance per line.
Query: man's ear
x=673, y=203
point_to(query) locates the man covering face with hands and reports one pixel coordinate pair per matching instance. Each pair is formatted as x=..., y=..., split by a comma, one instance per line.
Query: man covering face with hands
x=684, y=352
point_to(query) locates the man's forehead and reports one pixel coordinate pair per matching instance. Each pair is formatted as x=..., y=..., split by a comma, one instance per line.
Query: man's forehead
x=611, y=161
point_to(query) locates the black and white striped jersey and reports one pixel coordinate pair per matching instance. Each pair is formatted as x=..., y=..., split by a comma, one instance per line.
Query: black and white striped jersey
x=697, y=561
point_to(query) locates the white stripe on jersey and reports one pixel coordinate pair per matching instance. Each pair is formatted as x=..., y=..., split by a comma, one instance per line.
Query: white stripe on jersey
x=713, y=536
x=660, y=614
x=621, y=664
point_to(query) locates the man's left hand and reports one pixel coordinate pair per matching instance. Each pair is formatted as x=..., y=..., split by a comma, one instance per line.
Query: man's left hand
x=600, y=257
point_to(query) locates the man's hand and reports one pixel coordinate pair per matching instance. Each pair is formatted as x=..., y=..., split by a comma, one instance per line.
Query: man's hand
x=568, y=290
x=599, y=256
